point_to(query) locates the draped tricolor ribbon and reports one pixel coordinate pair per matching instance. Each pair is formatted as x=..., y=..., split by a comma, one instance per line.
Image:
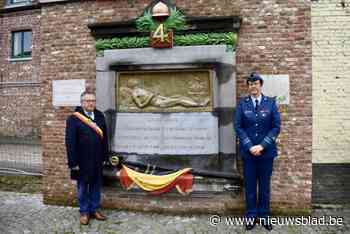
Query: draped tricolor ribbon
x=182, y=180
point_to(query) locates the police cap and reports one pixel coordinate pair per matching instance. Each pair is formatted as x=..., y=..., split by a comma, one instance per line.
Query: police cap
x=254, y=77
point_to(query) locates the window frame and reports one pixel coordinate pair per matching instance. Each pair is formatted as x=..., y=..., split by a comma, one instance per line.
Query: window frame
x=18, y=2
x=22, y=54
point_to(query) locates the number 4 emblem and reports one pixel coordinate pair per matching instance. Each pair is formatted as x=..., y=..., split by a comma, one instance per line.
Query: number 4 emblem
x=159, y=33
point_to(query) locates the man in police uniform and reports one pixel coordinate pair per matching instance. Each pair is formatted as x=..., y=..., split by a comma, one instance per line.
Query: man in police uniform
x=257, y=125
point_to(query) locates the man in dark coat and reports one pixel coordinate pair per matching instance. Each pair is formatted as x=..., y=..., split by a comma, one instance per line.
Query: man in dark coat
x=257, y=124
x=87, y=150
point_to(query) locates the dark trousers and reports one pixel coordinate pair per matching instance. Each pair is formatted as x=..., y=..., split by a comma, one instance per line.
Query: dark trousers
x=89, y=196
x=257, y=172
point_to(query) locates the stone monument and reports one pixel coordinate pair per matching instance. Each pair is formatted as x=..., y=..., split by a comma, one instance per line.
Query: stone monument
x=172, y=108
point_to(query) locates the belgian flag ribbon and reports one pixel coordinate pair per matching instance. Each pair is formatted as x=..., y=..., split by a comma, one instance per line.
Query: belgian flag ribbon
x=182, y=180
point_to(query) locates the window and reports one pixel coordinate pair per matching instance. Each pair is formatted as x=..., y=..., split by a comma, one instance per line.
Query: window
x=21, y=44
x=15, y=2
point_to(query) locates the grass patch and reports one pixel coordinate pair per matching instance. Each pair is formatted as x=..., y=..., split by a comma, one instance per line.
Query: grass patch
x=21, y=184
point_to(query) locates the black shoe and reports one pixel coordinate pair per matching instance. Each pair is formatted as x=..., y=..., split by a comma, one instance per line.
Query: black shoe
x=268, y=226
x=250, y=225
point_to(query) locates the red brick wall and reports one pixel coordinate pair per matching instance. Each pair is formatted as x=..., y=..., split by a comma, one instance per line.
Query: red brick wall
x=20, y=103
x=274, y=39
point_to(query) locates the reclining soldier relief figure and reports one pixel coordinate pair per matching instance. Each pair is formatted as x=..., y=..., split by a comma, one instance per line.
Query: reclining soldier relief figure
x=143, y=98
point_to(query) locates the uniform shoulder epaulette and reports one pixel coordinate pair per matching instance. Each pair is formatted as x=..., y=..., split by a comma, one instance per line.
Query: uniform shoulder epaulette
x=274, y=98
x=267, y=98
x=245, y=98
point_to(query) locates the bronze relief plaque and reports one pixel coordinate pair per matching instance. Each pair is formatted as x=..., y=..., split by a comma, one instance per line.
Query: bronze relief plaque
x=165, y=91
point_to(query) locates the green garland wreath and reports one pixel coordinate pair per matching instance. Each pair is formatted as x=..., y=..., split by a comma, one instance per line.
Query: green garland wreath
x=229, y=39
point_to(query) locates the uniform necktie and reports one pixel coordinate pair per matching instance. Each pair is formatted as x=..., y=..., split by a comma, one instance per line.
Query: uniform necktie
x=256, y=104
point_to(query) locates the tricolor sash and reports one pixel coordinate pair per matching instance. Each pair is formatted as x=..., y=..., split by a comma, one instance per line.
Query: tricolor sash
x=89, y=123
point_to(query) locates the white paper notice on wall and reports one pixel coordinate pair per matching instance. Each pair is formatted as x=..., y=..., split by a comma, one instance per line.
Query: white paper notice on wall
x=277, y=86
x=67, y=92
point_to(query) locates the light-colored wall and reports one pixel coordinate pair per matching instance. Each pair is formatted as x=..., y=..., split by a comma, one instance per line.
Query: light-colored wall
x=331, y=81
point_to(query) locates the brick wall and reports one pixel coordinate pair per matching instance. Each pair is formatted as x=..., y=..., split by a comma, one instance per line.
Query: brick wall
x=330, y=183
x=20, y=89
x=275, y=38
x=331, y=89
x=331, y=81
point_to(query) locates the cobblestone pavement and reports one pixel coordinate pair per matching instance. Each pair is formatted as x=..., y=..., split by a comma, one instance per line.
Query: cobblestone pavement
x=25, y=213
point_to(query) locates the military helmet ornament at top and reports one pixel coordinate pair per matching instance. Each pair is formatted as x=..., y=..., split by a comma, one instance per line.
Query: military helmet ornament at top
x=160, y=11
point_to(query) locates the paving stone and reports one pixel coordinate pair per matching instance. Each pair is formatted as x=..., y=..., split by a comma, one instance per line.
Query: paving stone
x=25, y=213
